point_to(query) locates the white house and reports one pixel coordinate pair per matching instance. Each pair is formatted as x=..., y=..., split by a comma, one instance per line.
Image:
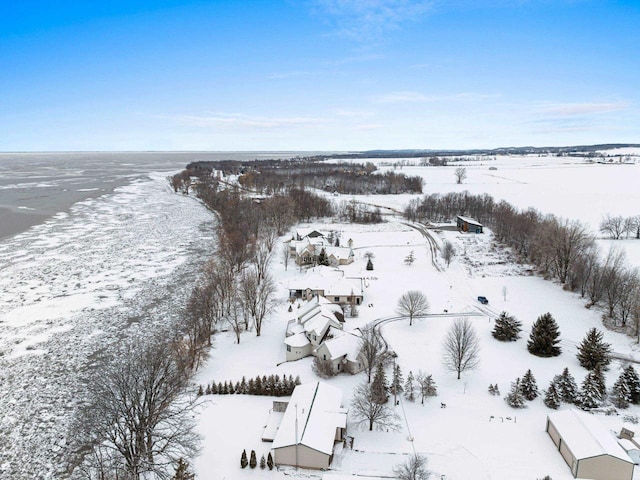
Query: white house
x=313, y=422
x=343, y=350
x=329, y=283
x=589, y=449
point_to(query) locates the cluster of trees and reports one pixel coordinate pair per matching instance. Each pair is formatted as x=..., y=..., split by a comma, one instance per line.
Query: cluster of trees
x=344, y=178
x=252, y=461
x=356, y=212
x=617, y=226
x=522, y=390
x=562, y=250
x=137, y=418
x=272, y=385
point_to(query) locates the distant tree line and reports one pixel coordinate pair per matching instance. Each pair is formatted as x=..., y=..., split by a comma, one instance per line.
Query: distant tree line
x=560, y=249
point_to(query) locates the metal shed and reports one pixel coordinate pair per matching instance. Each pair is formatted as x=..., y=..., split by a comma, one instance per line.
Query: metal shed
x=589, y=449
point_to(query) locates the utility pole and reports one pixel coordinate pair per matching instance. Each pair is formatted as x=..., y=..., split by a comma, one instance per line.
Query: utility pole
x=296, y=405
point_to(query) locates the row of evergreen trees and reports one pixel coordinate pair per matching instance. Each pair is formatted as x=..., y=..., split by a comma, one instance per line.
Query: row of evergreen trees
x=252, y=462
x=545, y=337
x=423, y=385
x=272, y=385
x=563, y=388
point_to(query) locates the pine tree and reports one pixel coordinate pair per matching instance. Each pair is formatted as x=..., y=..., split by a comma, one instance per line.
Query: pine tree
x=591, y=393
x=379, y=386
x=253, y=461
x=492, y=391
x=182, y=471
x=396, y=381
x=322, y=258
x=263, y=462
x=270, y=461
x=594, y=350
x=201, y=390
x=243, y=386
x=598, y=374
x=529, y=386
x=544, y=337
x=633, y=382
x=566, y=386
x=243, y=459
x=410, y=388
x=620, y=393
x=369, y=265
x=507, y=328
x=551, y=397
x=515, y=398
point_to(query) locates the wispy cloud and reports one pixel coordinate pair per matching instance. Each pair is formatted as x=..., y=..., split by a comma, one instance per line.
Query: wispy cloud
x=366, y=19
x=238, y=120
x=579, y=109
x=418, y=97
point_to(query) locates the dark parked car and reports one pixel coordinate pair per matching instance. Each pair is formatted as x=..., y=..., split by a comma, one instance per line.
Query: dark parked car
x=483, y=300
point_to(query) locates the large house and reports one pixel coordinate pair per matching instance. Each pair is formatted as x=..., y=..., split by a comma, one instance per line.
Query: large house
x=467, y=224
x=314, y=420
x=342, y=349
x=328, y=283
x=588, y=448
x=306, y=246
x=310, y=325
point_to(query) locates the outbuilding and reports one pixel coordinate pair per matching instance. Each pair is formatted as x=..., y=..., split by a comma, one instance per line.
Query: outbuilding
x=589, y=449
x=467, y=224
x=312, y=423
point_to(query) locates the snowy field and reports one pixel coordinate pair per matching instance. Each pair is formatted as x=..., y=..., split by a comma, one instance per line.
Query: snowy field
x=72, y=288
x=462, y=441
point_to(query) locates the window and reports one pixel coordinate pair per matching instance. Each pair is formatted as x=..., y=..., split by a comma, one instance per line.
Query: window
x=324, y=357
x=336, y=299
x=288, y=348
x=338, y=366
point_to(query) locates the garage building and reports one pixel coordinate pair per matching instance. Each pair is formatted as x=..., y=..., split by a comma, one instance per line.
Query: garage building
x=590, y=450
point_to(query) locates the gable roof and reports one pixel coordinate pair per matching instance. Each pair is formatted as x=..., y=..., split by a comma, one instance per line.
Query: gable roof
x=585, y=436
x=317, y=409
x=344, y=344
x=470, y=220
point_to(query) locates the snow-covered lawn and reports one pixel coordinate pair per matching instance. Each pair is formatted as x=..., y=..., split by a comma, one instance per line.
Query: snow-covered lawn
x=462, y=441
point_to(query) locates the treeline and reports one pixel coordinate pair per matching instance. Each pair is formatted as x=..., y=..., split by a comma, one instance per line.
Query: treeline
x=560, y=249
x=272, y=385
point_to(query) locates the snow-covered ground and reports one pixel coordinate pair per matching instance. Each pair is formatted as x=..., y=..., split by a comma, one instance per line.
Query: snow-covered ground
x=478, y=436
x=72, y=288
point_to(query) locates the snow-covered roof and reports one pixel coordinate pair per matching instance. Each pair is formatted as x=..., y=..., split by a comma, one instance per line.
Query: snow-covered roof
x=344, y=344
x=317, y=409
x=627, y=444
x=305, y=232
x=320, y=279
x=297, y=340
x=271, y=428
x=585, y=436
x=320, y=323
x=470, y=220
x=339, y=252
x=342, y=286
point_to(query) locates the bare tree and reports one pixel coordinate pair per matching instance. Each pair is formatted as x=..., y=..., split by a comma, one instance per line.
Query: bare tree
x=415, y=468
x=412, y=304
x=261, y=259
x=366, y=410
x=372, y=349
x=235, y=318
x=257, y=296
x=409, y=259
x=461, y=347
x=460, y=174
x=613, y=226
x=286, y=254
x=448, y=251
x=137, y=415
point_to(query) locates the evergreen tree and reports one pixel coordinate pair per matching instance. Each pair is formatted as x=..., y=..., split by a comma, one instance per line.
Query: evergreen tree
x=633, y=382
x=182, y=471
x=544, y=337
x=410, y=388
x=620, y=393
x=244, y=389
x=200, y=390
x=551, y=397
x=208, y=390
x=492, y=391
x=506, y=328
x=263, y=462
x=515, y=398
x=220, y=388
x=594, y=350
x=243, y=459
x=369, y=265
x=598, y=374
x=396, y=381
x=566, y=386
x=270, y=461
x=529, y=386
x=591, y=393
x=379, y=386
x=322, y=258
x=253, y=461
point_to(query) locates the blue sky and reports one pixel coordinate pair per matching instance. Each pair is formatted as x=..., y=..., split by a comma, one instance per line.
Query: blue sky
x=317, y=74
